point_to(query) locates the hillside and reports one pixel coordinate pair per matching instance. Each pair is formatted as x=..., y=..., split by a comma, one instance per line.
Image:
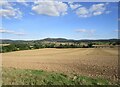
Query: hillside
x=56, y=40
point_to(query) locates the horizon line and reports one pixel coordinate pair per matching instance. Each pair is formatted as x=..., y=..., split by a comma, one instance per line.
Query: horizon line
x=59, y=38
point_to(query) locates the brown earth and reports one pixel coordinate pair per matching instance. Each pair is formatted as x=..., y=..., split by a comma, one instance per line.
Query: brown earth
x=95, y=62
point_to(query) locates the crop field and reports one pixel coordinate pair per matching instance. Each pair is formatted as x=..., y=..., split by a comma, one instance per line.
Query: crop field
x=4, y=44
x=90, y=62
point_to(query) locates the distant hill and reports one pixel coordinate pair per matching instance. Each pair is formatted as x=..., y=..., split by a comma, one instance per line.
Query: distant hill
x=56, y=40
x=5, y=41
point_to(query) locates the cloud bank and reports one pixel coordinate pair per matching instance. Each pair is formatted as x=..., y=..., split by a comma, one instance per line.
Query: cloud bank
x=86, y=30
x=9, y=11
x=50, y=8
x=94, y=10
x=10, y=32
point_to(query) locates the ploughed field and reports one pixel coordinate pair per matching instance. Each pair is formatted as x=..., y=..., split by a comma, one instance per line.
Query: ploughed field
x=92, y=62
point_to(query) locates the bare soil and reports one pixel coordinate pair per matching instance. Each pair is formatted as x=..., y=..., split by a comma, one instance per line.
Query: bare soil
x=93, y=62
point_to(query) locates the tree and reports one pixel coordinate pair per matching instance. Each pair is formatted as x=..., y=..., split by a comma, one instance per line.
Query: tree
x=90, y=45
x=36, y=46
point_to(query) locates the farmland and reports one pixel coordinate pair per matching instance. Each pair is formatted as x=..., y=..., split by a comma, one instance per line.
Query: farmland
x=90, y=62
x=4, y=44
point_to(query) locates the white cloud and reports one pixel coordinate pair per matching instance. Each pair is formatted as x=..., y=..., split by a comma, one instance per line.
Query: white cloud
x=23, y=2
x=11, y=32
x=9, y=11
x=94, y=10
x=97, y=13
x=70, y=2
x=3, y=3
x=86, y=31
x=74, y=6
x=50, y=8
x=97, y=7
x=83, y=12
x=107, y=12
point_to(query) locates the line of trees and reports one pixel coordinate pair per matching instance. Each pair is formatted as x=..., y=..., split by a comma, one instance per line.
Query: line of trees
x=14, y=47
x=36, y=45
x=17, y=47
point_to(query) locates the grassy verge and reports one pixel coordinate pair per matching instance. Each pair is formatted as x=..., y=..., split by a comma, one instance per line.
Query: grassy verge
x=13, y=76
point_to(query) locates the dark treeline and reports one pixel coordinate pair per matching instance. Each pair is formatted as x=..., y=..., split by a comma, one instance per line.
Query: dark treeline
x=17, y=47
x=53, y=43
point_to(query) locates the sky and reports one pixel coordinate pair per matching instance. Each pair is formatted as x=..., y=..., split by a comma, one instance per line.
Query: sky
x=54, y=19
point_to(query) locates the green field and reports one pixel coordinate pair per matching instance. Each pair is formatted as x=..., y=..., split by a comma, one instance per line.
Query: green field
x=12, y=76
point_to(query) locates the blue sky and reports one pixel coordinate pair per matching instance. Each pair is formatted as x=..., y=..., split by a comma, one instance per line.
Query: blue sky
x=71, y=20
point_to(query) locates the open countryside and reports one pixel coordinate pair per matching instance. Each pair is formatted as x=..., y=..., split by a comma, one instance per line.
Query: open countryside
x=91, y=62
x=59, y=43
